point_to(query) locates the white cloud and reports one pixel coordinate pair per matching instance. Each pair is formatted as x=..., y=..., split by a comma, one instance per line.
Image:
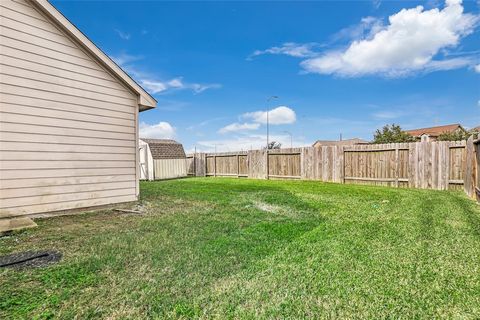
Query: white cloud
x=123, y=35
x=279, y=115
x=290, y=49
x=161, y=130
x=125, y=58
x=235, y=127
x=199, y=88
x=477, y=68
x=156, y=86
x=408, y=44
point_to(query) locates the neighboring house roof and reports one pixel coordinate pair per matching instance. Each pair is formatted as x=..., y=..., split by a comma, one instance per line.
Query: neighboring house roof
x=476, y=129
x=434, y=131
x=145, y=100
x=165, y=148
x=347, y=142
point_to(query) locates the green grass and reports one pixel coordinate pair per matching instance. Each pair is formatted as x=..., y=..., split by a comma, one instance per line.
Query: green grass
x=248, y=249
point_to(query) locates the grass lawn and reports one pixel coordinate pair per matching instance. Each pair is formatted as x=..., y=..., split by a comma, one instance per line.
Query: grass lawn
x=234, y=248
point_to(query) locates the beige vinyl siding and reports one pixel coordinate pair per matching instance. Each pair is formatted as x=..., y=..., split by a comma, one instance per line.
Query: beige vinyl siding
x=68, y=127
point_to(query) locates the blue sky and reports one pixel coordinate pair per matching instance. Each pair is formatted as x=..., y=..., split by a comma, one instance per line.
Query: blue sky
x=336, y=66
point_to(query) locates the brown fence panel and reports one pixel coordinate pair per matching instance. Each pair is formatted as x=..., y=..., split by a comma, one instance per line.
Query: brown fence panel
x=226, y=165
x=284, y=165
x=456, y=174
x=371, y=167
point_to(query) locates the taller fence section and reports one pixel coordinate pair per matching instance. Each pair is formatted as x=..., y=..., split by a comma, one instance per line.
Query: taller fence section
x=477, y=169
x=437, y=165
x=472, y=171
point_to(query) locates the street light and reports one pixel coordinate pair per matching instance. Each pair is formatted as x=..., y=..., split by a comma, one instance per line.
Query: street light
x=291, y=138
x=268, y=100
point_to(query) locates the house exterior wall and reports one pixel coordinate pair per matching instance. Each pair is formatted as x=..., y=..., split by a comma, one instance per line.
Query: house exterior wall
x=68, y=127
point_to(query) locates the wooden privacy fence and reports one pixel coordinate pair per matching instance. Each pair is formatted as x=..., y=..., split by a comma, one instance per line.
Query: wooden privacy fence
x=169, y=168
x=437, y=165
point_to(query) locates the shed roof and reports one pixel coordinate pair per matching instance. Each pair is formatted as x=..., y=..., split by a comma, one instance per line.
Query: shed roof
x=434, y=131
x=145, y=100
x=165, y=148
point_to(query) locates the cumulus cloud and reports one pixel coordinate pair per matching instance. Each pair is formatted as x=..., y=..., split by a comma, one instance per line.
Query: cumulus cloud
x=235, y=127
x=279, y=115
x=161, y=130
x=407, y=44
x=290, y=49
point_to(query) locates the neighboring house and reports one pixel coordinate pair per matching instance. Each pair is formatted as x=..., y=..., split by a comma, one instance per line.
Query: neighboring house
x=347, y=142
x=432, y=133
x=161, y=159
x=68, y=116
x=476, y=129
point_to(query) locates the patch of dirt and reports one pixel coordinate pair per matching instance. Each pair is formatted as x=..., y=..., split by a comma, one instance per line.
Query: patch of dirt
x=30, y=259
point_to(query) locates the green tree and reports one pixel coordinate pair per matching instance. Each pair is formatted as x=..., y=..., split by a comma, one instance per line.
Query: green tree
x=457, y=135
x=391, y=134
x=274, y=145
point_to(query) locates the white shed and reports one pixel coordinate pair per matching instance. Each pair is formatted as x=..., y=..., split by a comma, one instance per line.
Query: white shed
x=162, y=159
x=68, y=116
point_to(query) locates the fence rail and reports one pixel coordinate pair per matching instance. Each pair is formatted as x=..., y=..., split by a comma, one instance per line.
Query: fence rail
x=437, y=165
